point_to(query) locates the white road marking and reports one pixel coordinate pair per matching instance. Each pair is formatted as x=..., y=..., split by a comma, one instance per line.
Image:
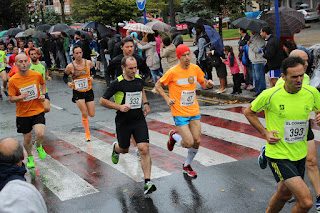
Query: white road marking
x=55, y=106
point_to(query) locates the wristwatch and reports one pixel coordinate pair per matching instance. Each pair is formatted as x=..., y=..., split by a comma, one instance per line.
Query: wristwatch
x=146, y=103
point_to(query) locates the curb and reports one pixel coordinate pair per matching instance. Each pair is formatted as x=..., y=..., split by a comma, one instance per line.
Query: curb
x=224, y=39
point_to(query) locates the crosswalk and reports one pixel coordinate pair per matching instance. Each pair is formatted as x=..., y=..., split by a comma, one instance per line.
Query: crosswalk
x=74, y=168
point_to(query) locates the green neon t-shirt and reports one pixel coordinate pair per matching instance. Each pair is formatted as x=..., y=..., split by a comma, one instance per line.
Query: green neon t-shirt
x=288, y=114
x=39, y=68
x=306, y=80
x=2, y=58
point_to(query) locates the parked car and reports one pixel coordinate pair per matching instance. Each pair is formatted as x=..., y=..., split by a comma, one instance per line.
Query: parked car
x=309, y=14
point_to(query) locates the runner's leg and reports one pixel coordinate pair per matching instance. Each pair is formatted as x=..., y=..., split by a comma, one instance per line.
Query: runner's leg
x=145, y=159
x=27, y=143
x=40, y=133
x=186, y=135
x=278, y=200
x=84, y=117
x=312, y=167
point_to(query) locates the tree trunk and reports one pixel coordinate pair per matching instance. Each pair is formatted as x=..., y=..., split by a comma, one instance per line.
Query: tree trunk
x=172, y=14
x=220, y=26
x=63, y=16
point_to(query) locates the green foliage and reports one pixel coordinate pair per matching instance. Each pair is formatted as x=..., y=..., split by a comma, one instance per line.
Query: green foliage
x=192, y=8
x=51, y=17
x=13, y=12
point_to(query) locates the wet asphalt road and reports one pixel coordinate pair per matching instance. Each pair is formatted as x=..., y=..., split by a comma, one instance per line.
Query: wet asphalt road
x=236, y=185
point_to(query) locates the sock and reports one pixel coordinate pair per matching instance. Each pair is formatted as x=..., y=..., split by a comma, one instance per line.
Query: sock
x=137, y=150
x=191, y=153
x=146, y=180
x=85, y=123
x=177, y=138
x=318, y=198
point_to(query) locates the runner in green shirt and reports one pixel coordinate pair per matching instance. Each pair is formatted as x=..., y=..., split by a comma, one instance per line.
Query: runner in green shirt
x=37, y=66
x=287, y=110
x=3, y=74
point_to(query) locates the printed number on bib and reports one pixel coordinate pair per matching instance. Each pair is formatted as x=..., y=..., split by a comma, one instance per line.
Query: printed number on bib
x=188, y=97
x=81, y=84
x=1, y=65
x=295, y=131
x=134, y=99
x=32, y=92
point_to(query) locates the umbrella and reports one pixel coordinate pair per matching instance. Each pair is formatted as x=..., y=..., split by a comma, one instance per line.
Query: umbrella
x=76, y=26
x=72, y=32
x=250, y=23
x=291, y=21
x=304, y=5
x=43, y=27
x=102, y=29
x=197, y=21
x=138, y=27
x=13, y=31
x=215, y=38
x=3, y=32
x=42, y=35
x=21, y=35
x=30, y=32
x=58, y=27
x=158, y=25
x=141, y=19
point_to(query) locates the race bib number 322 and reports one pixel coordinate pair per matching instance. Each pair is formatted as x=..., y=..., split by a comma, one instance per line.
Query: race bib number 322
x=295, y=131
x=134, y=99
x=32, y=92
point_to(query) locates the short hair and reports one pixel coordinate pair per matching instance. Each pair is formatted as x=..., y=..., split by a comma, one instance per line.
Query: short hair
x=12, y=158
x=31, y=49
x=291, y=45
x=228, y=48
x=64, y=34
x=30, y=41
x=156, y=33
x=166, y=41
x=243, y=30
x=1, y=43
x=126, y=39
x=124, y=60
x=83, y=36
x=75, y=47
x=151, y=37
x=78, y=33
x=291, y=62
x=266, y=29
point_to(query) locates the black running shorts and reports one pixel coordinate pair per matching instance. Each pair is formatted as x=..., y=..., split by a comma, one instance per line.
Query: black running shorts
x=25, y=124
x=139, y=130
x=310, y=135
x=87, y=96
x=284, y=169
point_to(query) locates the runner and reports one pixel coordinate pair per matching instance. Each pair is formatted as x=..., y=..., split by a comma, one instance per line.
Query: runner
x=9, y=52
x=287, y=109
x=37, y=66
x=3, y=74
x=31, y=45
x=311, y=160
x=24, y=91
x=132, y=105
x=12, y=58
x=21, y=47
x=82, y=87
x=181, y=80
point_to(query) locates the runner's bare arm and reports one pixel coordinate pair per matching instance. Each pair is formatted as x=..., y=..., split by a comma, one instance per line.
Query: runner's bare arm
x=14, y=99
x=253, y=119
x=161, y=91
x=317, y=118
x=111, y=105
x=90, y=64
x=47, y=76
x=207, y=84
x=43, y=88
x=67, y=72
x=146, y=107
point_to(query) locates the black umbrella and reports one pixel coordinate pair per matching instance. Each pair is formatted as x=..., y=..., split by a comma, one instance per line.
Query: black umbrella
x=13, y=31
x=141, y=20
x=102, y=30
x=197, y=21
x=42, y=35
x=43, y=27
x=72, y=32
x=59, y=27
x=250, y=24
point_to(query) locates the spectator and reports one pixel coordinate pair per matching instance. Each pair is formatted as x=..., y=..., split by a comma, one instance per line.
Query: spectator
x=60, y=56
x=66, y=46
x=203, y=47
x=117, y=46
x=231, y=61
x=168, y=51
x=247, y=70
x=85, y=46
x=176, y=37
x=159, y=41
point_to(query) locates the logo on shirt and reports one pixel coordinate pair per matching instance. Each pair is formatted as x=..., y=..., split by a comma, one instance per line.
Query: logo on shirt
x=281, y=107
x=307, y=108
x=191, y=80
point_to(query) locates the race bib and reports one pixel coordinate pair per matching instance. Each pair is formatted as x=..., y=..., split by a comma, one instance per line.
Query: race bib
x=81, y=84
x=188, y=97
x=33, y=92
x=1, y=65
x=295, y=131
x=134, y=99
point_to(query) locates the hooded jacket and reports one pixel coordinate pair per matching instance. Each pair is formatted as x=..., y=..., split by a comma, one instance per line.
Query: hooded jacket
x=254, y=55
x=152, y=58
x=9, y=172
x=169, y=52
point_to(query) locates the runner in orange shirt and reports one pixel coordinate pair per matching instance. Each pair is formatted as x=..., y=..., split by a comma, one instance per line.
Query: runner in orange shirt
x=182, y=80
x=81, y=83
x=24, y=91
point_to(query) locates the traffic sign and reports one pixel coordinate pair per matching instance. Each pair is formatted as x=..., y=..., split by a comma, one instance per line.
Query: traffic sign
x=141, y=4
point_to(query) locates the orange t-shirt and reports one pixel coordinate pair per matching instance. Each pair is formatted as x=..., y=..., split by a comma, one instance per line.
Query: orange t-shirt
x=14, y=70
x=27, y=53
x=18, y=84
x=182, y=88
x=80, y=77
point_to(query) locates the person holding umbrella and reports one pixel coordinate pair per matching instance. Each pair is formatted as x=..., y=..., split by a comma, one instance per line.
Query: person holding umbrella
x=203, y=47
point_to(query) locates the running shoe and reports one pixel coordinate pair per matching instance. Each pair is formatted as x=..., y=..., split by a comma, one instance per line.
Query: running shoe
x=189, y=171
x=42, y=154
x=114, y=156
x=171, y=141
x=88, y=137
x=30, y=163
x=318, y=206
x=263, y=163
x=149, y=187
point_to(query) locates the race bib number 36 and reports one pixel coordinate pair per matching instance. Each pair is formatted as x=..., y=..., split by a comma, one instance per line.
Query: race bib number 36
x=81, y=84
x=295, y=131
x=188, y=97
x=32, y=92
x=134, y=99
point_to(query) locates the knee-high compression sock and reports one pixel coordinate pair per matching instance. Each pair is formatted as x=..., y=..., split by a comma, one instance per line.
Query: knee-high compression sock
x=85, y=123
x=177, y=138
x=191, y=154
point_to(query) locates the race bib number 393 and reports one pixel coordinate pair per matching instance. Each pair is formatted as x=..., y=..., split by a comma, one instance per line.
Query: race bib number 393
x=134, y=99
x=188, y=97
x=295, y=131
x=32, y=92
x=81, y=84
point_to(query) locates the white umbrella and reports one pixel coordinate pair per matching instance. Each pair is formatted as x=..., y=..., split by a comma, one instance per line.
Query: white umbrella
x=21, y=35
x=138, y=27
x=159, y=25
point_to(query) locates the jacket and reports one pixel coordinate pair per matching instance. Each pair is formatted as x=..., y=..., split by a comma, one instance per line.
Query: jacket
x=202, y=42
x=177, y=39
x=169, y=52
x=273, y=53
x=232, y=63
x=243, y=41
x=254, y=55
x=152, y=58
x=9, y=172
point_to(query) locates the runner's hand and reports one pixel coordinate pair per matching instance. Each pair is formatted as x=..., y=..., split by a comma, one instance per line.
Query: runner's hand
x=125, y=107
x=170, y=102
x=146, y=110
x=91, y=79
x=24, y=95
x=271, y=138
x=317, y=118
x=70, y=84
x=42, y=98
x=210, y=84
x=49, y=78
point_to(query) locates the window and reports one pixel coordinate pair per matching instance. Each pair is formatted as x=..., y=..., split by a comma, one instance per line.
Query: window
x=67, y=8
x=57, y=9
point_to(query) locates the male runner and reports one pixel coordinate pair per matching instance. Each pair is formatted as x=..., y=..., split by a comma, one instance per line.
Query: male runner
x=83, y=96
x=287, y=109
x=24, y=91
x=37, y=66
x=132, y=105
x=3, y=74
x=31, y=45
x=12, y=58
x=21, y=47
x=182, y=80
x=311, y=160
x=9, y=52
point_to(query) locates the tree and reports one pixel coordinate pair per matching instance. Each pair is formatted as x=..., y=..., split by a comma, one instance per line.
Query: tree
x=13, y=12
x=192, y=8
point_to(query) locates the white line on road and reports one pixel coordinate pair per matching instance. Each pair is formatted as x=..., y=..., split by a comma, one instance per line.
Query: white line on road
x=57, y=107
